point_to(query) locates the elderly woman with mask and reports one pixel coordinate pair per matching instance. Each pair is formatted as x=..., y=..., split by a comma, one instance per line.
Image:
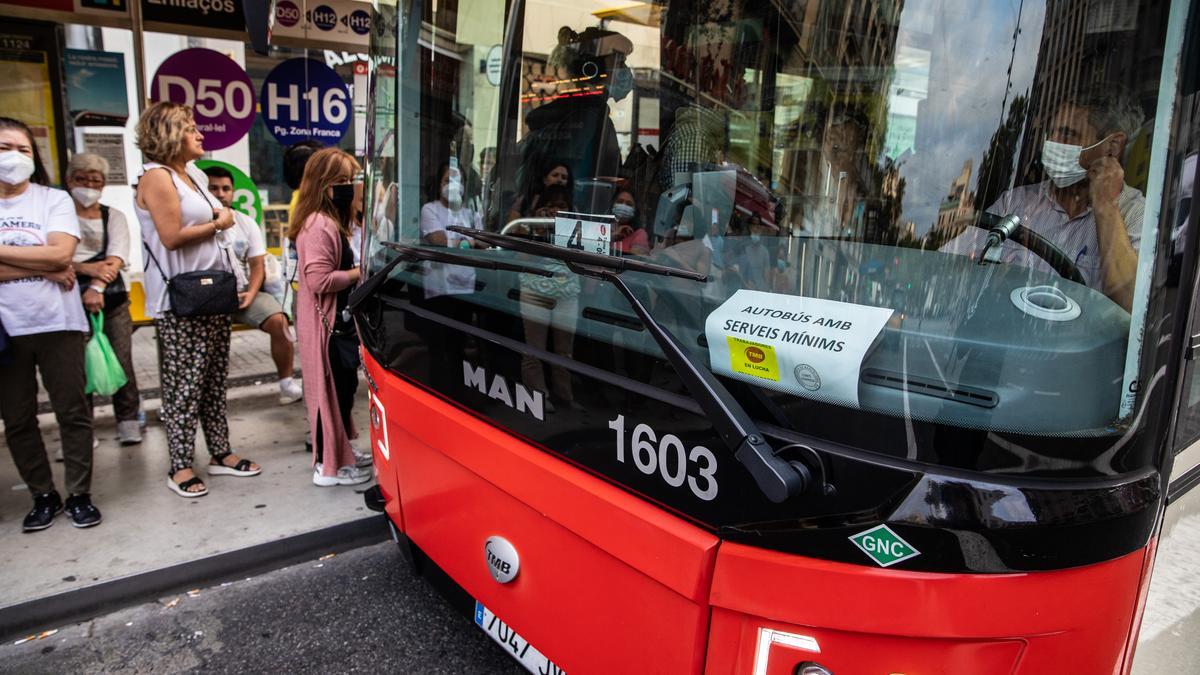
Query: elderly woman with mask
x=99, y=259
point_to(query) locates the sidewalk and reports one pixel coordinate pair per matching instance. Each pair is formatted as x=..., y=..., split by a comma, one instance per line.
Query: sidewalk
x=148, y=527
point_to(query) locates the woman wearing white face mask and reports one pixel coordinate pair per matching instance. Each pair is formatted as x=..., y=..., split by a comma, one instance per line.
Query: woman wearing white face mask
x=629, y=236
x=444, y=210
x=99, y=258
x=445, y=284
x=41, y=312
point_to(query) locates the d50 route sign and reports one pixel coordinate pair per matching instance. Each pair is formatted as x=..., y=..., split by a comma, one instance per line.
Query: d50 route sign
x=215, y=87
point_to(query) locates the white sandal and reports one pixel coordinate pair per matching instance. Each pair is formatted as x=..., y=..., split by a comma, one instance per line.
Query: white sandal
x=241, y=469
x=181, y=489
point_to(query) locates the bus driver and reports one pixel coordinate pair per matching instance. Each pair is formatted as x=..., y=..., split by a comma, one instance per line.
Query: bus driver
x=1084, y=206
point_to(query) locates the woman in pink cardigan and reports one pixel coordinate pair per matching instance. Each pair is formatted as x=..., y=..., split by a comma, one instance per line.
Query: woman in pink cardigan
x=328, y=202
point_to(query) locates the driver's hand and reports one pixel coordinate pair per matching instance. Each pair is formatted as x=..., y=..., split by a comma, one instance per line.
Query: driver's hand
x=1106, y=179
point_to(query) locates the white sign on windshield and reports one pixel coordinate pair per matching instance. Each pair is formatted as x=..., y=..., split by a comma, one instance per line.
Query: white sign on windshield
x=589, y=232
x=804, y=346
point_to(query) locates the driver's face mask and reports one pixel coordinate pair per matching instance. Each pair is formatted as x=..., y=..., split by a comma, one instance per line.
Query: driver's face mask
x=1061, y=162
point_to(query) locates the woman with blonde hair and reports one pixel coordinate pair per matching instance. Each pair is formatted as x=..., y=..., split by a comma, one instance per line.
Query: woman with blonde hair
x=329, y=202
x=183, y=229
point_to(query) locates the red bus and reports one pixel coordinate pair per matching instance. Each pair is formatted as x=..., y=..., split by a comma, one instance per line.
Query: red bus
x=805, y=336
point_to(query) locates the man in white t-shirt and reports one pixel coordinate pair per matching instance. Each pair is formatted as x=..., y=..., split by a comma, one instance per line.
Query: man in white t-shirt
x=256, y=308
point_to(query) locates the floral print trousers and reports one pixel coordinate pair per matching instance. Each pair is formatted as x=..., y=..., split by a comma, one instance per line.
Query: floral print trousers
x=195, y=362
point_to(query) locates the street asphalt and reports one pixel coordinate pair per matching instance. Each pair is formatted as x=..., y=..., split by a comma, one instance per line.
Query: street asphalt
x=358, y=612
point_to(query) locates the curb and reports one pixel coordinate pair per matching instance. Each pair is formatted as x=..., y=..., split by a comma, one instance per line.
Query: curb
x=107, y=596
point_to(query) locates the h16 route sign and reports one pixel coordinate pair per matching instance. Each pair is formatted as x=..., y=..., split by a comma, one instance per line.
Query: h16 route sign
x=304, y=99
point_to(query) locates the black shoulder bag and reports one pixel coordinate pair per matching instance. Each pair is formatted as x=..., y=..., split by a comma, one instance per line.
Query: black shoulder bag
x=115, y=293
x=202, y=292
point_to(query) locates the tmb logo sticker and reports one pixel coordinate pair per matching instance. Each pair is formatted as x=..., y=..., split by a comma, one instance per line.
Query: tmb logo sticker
x=752, y=358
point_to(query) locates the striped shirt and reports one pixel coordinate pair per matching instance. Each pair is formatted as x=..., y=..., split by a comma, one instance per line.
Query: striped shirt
x=1076, y=237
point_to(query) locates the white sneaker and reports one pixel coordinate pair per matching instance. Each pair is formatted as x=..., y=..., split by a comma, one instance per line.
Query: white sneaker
x=362, y=459
x=346, y=475
x=129, y=432
x=290, y=391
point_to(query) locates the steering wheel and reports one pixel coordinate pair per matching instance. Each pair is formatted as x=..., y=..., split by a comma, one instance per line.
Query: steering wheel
x=1038, y=245
x=1047, y=251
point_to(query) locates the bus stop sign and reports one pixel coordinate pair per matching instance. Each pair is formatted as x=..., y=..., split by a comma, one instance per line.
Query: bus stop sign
x=883, y=546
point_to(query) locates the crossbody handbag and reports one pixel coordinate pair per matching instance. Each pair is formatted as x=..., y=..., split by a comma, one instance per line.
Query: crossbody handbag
x=202, y=292
x=343, y=343
x=115, y=292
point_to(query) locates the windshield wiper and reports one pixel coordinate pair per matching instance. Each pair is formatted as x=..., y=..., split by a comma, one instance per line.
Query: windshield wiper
x=778, y=479
x=415, y=254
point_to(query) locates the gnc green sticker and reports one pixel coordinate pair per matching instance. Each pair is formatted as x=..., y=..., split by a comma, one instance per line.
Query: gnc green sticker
x=883, y=546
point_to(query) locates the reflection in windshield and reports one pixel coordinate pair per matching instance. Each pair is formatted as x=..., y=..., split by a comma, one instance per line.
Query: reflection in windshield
x=848, y=152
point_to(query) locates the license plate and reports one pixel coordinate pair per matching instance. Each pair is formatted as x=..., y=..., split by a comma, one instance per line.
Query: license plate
x=525, y=654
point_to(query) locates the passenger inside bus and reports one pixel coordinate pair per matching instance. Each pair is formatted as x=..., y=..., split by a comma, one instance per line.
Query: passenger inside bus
x=1084, y=206
x=576, y=129
x=445, y=285
x=554, y=172
x=629, y=236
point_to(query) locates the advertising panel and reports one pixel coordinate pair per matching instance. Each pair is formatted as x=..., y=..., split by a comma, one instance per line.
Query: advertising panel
x=28, y=95
x=96, y=95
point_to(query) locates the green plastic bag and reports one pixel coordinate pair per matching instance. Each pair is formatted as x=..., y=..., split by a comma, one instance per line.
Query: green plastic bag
x=104, y=373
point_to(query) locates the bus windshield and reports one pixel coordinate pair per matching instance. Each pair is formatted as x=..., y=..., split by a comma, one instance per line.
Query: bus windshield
x=921, y=228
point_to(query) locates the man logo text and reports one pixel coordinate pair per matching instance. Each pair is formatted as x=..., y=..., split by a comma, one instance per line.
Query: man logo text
x=526, y=401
